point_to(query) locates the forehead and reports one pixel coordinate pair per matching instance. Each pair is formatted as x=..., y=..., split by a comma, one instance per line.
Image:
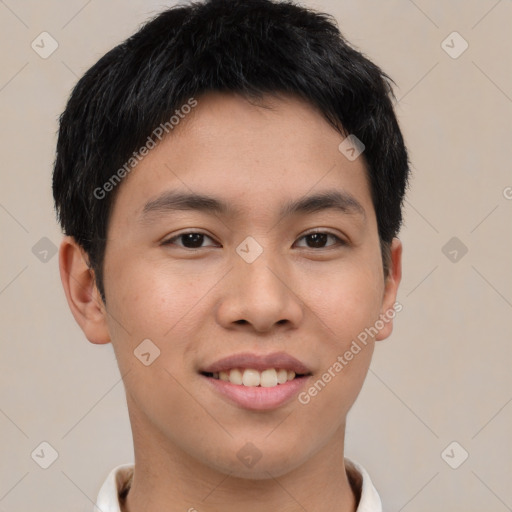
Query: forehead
x=249, y=154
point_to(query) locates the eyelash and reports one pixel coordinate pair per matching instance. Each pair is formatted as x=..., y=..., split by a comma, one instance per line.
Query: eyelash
x=339, y=241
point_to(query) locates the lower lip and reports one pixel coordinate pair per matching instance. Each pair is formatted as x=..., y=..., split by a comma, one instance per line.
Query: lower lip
x=258, y=398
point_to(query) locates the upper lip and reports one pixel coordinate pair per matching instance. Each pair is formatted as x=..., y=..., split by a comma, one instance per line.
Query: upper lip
x=278, y=360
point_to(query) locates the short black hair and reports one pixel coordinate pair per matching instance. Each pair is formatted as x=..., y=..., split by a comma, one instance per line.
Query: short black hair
x=249, y=47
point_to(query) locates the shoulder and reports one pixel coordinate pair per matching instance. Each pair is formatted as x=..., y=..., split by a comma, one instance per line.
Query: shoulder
x=369, y=499
x=119, y=479
x=114, y=487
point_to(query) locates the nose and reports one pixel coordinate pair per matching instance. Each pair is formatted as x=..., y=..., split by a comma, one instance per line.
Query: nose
x=260, y=295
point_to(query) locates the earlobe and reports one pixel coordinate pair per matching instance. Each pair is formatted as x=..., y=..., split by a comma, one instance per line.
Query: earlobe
x=81, y=291
x=389, y=305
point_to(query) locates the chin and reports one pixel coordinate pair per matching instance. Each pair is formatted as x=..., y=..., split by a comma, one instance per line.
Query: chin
x=251, y=463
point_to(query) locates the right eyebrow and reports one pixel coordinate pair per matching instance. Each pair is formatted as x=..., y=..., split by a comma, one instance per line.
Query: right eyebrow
x=174, y=200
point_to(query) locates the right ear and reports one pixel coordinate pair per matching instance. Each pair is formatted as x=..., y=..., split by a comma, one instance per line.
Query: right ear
x=82, y=294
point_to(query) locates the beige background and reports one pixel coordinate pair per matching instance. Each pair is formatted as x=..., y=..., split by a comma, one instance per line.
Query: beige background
x=443, y=376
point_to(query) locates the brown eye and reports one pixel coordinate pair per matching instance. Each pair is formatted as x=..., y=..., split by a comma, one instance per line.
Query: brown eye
x=318, y=240
x=190, y=240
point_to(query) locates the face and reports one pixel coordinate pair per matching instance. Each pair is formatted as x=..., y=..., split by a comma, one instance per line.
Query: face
x=256, y=284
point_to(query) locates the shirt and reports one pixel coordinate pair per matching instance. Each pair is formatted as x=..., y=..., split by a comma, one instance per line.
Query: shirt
x=119, y=479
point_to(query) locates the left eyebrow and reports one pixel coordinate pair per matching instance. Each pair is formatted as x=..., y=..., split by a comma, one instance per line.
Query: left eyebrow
x=328, y=199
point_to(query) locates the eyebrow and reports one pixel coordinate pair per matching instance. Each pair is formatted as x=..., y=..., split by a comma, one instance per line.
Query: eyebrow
x=329, y=199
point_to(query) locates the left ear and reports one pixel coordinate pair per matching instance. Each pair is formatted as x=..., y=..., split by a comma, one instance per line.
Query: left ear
x=388, y=312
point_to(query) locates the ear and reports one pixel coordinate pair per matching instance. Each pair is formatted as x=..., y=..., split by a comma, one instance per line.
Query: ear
x=81, y=291
x=389, y=310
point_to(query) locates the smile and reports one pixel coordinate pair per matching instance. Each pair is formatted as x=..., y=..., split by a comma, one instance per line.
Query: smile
x=251, y=377
x=256, y=382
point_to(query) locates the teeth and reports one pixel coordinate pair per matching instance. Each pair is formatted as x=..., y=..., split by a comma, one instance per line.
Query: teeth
x=268, y=378
x=235, y=376
x=253, y=378
x=282, y=376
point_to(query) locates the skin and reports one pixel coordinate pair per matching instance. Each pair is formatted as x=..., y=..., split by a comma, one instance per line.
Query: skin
x=199, y=305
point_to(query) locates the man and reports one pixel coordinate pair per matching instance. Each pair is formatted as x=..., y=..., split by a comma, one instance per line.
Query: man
x=230, y=182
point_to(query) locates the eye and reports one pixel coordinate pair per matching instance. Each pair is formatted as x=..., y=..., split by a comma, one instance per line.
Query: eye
x=195, y=239
x=319, y=238
x=190, y=240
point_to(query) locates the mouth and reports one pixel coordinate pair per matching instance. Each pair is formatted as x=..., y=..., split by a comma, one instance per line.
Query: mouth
x=251, y=377
x=257, y=382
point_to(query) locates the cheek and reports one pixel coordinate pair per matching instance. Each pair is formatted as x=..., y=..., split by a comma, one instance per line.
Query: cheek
x=346, y=297
x=148, y=304
x=151, y=299
x=156, y=302
x=346, y=305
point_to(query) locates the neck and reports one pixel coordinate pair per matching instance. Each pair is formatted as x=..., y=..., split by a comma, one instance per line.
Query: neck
x=166, y=478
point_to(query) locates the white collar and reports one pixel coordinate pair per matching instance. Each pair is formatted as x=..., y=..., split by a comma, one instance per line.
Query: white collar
x=119, y=480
